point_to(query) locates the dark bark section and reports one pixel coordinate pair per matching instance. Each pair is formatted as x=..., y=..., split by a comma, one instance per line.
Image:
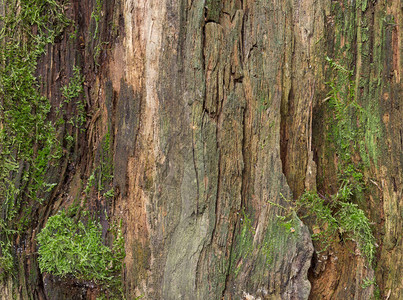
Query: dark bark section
x=127, y=123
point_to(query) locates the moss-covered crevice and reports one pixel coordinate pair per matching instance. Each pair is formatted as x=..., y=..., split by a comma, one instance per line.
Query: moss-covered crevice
x=45, y=112
x=353, y=149
x=28, y=138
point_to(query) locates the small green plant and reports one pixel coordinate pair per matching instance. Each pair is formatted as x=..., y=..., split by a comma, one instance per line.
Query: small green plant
x=90, y=184
x=71, y=247
x=344, y=133
x=110, y=193
x=289, y=223
x=74, y=32
x=335, y=217
x=70, y=141
x=326, y=224
x=367, y=282
x=96, y=16
x=264, y=103
x=337, y=214
x=353, y=220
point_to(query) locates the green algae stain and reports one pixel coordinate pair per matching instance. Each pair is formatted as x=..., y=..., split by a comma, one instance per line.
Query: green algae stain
x=142, y=259
x=213, y=9
x=277, y=237
x=372, y=128
x=244, y=245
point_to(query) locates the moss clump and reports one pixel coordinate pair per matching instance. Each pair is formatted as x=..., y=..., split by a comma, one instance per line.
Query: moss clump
x=353, y=221
x=71, y=247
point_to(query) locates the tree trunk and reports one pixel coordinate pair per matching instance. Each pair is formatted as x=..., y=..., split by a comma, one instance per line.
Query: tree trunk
x=218, y=117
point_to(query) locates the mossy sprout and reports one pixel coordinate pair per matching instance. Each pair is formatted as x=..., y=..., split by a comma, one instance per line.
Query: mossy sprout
x=337, y=216
x=76, y=248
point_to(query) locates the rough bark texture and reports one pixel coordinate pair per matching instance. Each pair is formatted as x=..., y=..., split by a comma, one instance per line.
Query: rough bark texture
x=217, y=117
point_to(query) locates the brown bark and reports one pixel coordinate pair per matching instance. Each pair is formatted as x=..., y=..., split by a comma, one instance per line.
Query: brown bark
x=217, y=117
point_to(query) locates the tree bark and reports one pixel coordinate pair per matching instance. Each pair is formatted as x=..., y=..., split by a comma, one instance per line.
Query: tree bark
x=218, y=119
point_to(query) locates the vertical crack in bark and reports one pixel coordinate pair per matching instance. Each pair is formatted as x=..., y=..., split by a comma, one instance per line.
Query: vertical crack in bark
x=244, y=173
x=229, y=258
x=206, y=242
x=311, y=168
x=284, y=131
x=195, y=165
x=243, y=204
x=288, y=98
x=218, y=187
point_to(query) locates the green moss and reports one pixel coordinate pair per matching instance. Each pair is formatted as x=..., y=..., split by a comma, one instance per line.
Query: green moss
x=96, y=16
x=102, y=174
x=277, y=236
x=372, y=128
x=28, y=140
x=273, y=245
x=142, y=256
x=71, y=247
x=338, y=217
x=377, y=293
x=352, y=220
x=6, y=258
x=106, y=165
x=213, y=10
x=347, y=136
x=363, y=4
x=264, y=102
x=344, y=133
x=244, y=244
x=75, y=86
x=72, y=91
